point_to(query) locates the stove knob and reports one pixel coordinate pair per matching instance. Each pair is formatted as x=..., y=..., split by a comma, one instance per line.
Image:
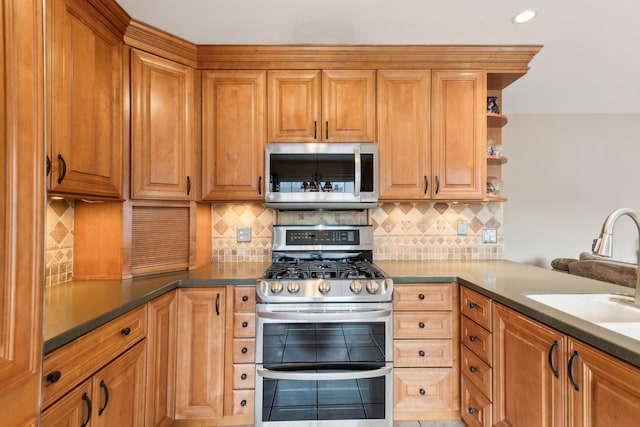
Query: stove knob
x=372, y=286
x=293, y=287
x=276, y=287
x=356, y=286
x=324, y=287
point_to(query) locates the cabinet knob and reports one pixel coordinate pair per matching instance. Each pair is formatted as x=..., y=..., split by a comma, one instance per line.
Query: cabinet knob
x=472, y=305
x=125, y=332
x=245, y=324
x=243, y=376
x=245, y=298
x=421, y=325
x=473, y=369
x=423, y=391
x=243, y=403
x=421, y=296
x=472, y=411
x=421, y=353
x=244, y=350
x=54, y=377
x=473, y=338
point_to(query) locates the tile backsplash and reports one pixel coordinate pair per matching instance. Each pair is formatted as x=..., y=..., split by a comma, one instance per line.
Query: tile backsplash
x=402, y=231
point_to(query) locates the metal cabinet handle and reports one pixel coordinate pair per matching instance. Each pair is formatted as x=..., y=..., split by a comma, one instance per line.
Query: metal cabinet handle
x=472, y=305
x=552, y=350
x=245, y=298
x=473, y=338
x=260, y=185
x=315, y=129
x=472, y=411
x=421, y=325
x=54, y=377
x=48, y=165
x=243, y=376
x=105, y=389
x=188, y=185
x=437, y=184
x=575, y=385
x=87, y=401
x=244, y=350
x=125, y=332
x=243, y=403
x=473, y=369
x=426, y=184
x=245, y=324
x=326, y=129
x=423, y=391
x=421, y=353
x=63, y=166
x=421, y=296
x=218, y=305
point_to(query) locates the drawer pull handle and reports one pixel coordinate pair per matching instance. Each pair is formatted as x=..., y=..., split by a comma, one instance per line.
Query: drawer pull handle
x=423, y=391
x=105, y=389
x=54, y=377
x=63, y=172
x=245, y=298
x=244, y=350
x=421, y=296
x=421, y=325
x=473, y=338
x=421, y=353
x=575, y=385
x=243, y=403
x=245, y=324
x=243, y=376
x=218, y=305
x=87, y=401
x=552, y=350
x=472, y=305
x=473, y=369
x=472, y=411
x=125, y=332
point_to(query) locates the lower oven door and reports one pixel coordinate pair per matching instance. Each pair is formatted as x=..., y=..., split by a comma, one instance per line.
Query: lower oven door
x=321, y=363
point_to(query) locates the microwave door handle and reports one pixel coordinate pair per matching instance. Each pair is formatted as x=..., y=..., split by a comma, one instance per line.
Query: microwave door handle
x=358, y=172
x=330, y=376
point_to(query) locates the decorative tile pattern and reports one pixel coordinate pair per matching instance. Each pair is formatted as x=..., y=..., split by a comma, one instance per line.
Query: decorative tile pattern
x=59, y=241
x=227, y=218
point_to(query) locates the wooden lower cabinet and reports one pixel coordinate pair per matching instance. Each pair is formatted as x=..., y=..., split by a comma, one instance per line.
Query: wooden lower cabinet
x=113, y=396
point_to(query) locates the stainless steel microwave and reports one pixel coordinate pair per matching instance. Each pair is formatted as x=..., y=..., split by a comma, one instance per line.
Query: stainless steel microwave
x=321, y=176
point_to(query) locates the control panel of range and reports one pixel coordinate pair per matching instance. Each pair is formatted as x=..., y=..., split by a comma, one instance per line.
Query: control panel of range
x=322, y=237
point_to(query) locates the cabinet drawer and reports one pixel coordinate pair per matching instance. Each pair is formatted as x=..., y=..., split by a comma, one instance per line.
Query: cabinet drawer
x=243, y=402
x=477, y=339
x=476, y=370
x=244, y=298
x=422, y=353
x=429, y=389
x=476, y=408
x=476, y=307
x=76, y=361
x=244, y=325
x=244, y=376
x=432, y=324
x=244, y=350
x=433, y=296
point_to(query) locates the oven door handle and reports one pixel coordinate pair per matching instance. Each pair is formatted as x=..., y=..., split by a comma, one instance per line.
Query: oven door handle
x=323, y=315
x=329, y=376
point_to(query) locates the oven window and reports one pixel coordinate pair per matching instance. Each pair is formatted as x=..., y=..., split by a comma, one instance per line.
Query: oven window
x=324, y=343
x=290, y=400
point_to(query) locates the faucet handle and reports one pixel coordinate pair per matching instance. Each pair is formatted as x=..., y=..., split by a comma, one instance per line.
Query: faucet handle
x=594, y=245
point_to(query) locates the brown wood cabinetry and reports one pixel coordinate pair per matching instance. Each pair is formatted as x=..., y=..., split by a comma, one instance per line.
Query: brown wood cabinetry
x=233, y=135
x=321, y=106
x=85, y=75
x=163, y=137
x=425, y=359
x=432, y=131
x=476, y=359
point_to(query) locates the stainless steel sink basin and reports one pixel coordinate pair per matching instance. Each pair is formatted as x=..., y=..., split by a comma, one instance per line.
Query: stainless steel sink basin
x=611, y=311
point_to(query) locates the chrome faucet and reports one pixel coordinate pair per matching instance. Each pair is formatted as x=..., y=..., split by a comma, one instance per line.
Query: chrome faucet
x=603, y=245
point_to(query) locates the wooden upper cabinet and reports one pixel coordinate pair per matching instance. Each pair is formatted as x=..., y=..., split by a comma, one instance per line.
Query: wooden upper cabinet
x=322, y=106
x=233, y=135
x=459, y=123
x=404, y=134
x=163, y=144
x=84, y=101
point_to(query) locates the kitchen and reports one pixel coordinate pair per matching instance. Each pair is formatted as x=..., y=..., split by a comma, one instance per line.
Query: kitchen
x=592, y=229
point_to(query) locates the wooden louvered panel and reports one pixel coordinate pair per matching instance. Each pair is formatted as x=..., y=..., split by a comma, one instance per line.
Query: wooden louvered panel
x=160, y=239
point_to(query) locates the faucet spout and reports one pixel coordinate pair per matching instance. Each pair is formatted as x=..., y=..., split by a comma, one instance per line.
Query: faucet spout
x=603, y=245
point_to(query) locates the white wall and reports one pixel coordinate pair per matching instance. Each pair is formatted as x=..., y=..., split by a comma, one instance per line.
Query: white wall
x=565, y=174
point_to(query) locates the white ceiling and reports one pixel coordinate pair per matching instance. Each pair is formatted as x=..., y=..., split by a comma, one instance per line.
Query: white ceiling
x=590, y=62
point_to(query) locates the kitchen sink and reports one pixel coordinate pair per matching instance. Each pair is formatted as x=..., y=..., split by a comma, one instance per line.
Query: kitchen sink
x=611, y=311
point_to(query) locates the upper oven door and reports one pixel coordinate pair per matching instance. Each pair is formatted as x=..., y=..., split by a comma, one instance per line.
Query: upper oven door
x=317, y=176
x=299, y=336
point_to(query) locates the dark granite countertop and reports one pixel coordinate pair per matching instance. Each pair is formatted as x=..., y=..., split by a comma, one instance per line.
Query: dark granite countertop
x=77, y=307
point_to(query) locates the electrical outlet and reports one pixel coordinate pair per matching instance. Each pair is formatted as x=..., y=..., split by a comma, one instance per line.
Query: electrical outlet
x=462, y=227
x=243, y=234
x=489, y=235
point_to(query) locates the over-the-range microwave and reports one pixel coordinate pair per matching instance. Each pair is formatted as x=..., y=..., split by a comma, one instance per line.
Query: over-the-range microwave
x=321, y=176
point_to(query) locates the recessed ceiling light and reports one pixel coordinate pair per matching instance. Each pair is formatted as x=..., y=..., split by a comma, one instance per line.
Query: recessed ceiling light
x=524, y=16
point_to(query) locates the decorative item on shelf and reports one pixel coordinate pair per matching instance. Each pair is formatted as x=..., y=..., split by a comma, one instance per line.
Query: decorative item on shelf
x=494, y=186
x=492, y=105
x=493, y=149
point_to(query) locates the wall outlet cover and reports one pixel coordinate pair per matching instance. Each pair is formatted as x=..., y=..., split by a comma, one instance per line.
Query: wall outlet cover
x=462, y=227
x=489, y=235
x=243, y=234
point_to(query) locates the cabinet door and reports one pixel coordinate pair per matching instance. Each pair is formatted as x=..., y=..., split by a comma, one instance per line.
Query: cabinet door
x=74, y=409
x=526, y=391
x=162, y=128
x=119, y=390
x=459, y=134
x=200, y=361
x=404, y=134
x=233, y=135
x=348, y=105
x=22, y=211
x=294, y=106
x=84, y=101
x=161, y=361
x=607, y=391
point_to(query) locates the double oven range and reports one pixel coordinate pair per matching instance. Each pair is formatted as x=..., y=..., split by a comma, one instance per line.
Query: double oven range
x=324, y=331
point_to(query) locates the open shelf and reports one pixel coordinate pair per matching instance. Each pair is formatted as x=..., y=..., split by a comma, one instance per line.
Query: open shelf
x=496, y=120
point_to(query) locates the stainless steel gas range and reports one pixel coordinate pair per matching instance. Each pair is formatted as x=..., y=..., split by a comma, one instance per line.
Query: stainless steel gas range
x=324, y=337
